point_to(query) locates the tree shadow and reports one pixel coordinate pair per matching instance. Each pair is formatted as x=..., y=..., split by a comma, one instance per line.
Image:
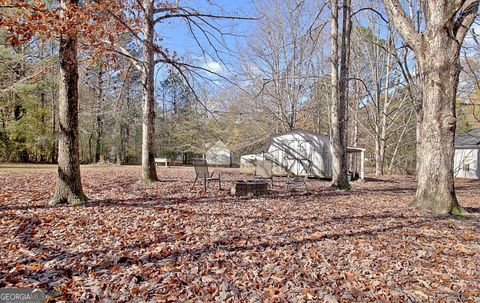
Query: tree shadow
x=25, y=207
x=472, y=210
x=25, y=235
x=379, y=180
x=222, y=196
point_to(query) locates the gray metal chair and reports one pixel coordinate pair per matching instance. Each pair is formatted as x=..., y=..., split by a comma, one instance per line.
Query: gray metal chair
x=294, y=178
x=201, y=173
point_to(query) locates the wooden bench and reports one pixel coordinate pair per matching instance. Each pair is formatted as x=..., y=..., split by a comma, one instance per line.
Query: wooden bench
x=159, y=161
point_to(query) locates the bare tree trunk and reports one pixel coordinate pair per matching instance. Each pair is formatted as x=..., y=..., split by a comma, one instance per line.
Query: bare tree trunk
x=42, y=118
x=355, y=114
x=437, y=51
x=89, y=156
x=378, y=109
x=418, y=102
x=340, y=96
x=334, y=83
x=120, y=156
x=99, y=152
x=435, y=184
x=149, y=172
x=377, y=149
x=53, y=155
x=69, y=185
x=385, y=114
x=3, y=119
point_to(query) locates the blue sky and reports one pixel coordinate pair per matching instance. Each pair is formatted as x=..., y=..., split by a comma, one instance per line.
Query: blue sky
x=178, y=38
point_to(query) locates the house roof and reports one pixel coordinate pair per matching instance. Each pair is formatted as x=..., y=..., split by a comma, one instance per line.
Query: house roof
x=470, y=138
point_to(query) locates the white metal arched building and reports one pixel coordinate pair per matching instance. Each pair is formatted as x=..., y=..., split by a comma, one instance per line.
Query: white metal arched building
x=300, y=152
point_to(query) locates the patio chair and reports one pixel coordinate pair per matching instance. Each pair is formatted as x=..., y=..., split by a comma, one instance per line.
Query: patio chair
x=201, y=173
x=263, y=171
x=294, y=178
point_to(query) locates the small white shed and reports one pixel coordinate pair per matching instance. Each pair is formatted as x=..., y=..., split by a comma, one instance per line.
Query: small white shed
x=219, y=154
x=466, y=163
x=297, y=149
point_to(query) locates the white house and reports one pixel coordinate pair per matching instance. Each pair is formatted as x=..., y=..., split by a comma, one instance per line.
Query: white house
x=219, y=154
x=300, y=152
x=466, y=164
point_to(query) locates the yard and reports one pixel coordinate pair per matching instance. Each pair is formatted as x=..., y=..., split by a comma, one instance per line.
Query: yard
x=162, y=242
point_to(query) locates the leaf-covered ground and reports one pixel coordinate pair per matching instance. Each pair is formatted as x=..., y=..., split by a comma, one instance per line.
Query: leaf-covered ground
x=162, y=242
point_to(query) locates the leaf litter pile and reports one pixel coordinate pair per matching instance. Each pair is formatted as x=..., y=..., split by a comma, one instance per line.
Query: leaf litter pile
x=163, y=242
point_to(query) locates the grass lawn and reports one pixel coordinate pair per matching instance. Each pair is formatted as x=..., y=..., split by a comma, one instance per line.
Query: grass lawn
x=162, y=242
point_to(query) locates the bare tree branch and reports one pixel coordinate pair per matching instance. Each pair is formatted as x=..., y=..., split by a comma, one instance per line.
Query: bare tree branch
x=403, y=23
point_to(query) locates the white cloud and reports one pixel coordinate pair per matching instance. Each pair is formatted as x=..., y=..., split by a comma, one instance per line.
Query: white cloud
x=213, y=66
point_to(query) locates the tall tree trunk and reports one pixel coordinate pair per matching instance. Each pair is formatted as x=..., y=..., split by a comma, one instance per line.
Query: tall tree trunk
x=99, y=152
x=435, y=184
x=334, y=86
x=378, y=108
x=377, y=148
x=406, y=125
x=149, y=172
x=89, y=156
x=418, y=103
x=437, y=52
x=3, y=119
x=42, y=118
x=69, y=185
x=120, y=150
x=53, y=155
x=385, y=114
x=340, y=96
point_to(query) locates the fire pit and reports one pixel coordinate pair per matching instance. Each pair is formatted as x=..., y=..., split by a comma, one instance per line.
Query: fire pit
x=249, y=188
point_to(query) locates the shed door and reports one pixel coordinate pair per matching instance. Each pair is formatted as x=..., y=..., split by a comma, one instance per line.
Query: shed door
x=298, y=156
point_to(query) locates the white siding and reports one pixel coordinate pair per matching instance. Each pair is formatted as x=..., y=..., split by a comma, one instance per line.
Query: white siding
x=466, y=163
x=300, y=145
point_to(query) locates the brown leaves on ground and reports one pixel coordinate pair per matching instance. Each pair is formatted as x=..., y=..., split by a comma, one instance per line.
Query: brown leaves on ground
x=162, y=242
